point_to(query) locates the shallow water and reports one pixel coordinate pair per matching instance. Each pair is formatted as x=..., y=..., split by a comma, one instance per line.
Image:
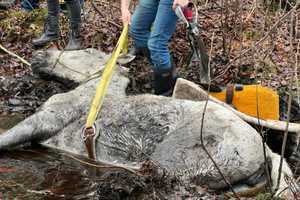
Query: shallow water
x=42, y=173
x=38, y=172
x=8, y=121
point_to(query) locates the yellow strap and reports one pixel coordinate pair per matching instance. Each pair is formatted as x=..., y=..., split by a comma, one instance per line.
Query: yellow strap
x=122, y=46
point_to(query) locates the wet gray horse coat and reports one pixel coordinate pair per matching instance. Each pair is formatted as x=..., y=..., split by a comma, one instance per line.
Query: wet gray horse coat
x=138, y=127
x=133, y=128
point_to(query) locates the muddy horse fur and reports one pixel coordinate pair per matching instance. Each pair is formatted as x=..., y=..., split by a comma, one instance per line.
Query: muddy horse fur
x=134, y=129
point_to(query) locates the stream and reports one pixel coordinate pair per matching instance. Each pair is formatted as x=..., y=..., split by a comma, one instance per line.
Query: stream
x=38, y=172
x=41, y=173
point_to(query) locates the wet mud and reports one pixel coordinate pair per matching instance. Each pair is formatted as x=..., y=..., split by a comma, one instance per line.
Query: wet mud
x=25, y=94
x=40, y=173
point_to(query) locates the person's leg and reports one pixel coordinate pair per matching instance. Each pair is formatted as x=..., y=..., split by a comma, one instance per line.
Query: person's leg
x=74, y=12
x=141, y=22
x=163, y=28
x=53, y=7
x=51, y=27
x=29, y=5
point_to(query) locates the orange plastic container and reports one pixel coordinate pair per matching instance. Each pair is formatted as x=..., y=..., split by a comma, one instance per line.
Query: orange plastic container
x=252, y=98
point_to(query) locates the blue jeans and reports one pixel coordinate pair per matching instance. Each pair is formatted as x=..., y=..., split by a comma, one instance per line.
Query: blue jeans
x=29, y=5
x=152, y=25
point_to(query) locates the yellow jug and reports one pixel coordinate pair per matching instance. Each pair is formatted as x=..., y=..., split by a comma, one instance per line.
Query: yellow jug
x=254, y=100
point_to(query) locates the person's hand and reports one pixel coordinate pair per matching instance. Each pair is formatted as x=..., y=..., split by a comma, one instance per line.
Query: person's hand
x=180, y=3
x=126, y=16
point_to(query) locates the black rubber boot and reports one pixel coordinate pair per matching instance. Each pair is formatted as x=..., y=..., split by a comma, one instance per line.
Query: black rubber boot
x=74, y=11
x=164, y=81
x=74, y=39
x=51, y=32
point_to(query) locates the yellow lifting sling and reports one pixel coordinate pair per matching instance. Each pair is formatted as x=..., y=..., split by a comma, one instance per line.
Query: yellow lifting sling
x=89, y=131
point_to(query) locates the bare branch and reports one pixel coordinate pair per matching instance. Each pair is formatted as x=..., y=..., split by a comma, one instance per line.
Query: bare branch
x=283, y=147
x=278, y=23
x=15, y=55
x=201, y=134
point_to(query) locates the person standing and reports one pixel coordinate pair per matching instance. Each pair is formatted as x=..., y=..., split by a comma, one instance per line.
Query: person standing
x=51, y=26
x=152, y=25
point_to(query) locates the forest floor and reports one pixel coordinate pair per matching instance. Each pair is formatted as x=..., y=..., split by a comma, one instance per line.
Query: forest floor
x=247, y=43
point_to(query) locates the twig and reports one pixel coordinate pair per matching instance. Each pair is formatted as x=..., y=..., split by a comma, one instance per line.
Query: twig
x=102, y=16
x=297, y=62
x=227, y=67
x=73, y=70
x=107, y=165
x=96, y=9
x=108, y=3
x=237, y=13
x=223, y=27
x=292, y=186
x=57, y=59
x=285, y=137
x=15, y=55
x=114, y=24
x=263, y=137
x=288, y=114
x=201, y=132
x=251, y=12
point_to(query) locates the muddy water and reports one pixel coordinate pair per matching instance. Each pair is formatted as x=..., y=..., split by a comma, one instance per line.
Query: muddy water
x=7, y=122
x=41, y=173
x=38, y=172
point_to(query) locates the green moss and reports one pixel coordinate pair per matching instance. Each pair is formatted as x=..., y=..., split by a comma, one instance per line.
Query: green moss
x=267, y=196
x=20, y=24
x=251, y=35
x=37, y=16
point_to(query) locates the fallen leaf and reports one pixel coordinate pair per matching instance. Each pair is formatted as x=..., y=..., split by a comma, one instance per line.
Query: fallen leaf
x=7, y=169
